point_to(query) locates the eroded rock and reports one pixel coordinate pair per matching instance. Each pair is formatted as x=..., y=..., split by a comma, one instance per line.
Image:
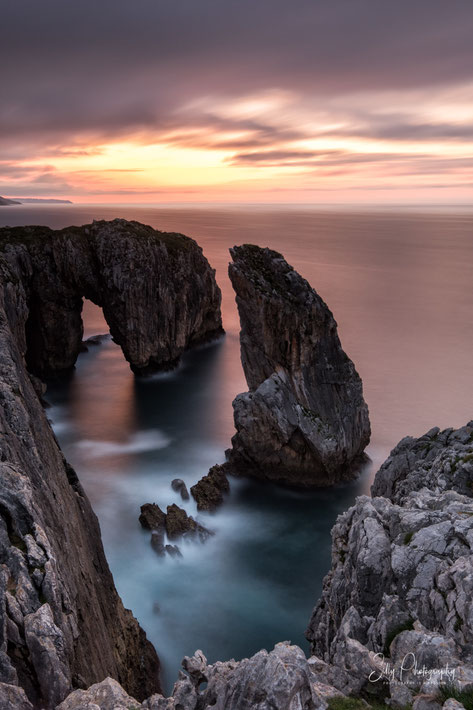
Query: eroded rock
x=304, y=420
x=209, y=491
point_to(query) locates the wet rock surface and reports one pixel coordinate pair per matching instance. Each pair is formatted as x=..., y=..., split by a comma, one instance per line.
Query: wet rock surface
x=210, y=490
x=304, y=420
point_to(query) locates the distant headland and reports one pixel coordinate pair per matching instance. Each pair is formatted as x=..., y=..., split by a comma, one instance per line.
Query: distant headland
x=35, y=200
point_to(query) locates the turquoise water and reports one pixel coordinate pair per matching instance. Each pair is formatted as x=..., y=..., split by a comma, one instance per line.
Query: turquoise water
x=399, y=284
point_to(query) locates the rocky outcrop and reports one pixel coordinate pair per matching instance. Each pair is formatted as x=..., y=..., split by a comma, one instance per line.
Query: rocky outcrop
x=402, y=572
x=304, y=421
x=152, y=517
x=174, y=524
x=280, y=680
x=439, y=461
x=62, y=623
x=209, y=491
x=157, y=291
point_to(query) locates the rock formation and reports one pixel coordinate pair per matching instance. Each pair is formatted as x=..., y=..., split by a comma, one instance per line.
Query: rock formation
x=304, y=420
x=6, y=201
x=175, y=523
x=157, y=291
x=402, y=570
x=209, y=491
x=62, y=623
x=280, y=680
x=179, y=486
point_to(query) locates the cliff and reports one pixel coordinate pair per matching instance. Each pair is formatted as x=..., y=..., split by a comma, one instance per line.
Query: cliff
x=157, y=291
x=62, y=623
x=304, y=420
x=402, y=571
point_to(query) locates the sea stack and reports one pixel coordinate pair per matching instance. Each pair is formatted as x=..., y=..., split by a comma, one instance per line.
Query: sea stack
x=304, y=421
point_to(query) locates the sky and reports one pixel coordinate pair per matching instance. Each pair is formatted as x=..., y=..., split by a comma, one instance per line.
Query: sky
x=309, y=101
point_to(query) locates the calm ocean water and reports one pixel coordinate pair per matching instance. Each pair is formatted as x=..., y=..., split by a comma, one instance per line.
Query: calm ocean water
x=400, y=285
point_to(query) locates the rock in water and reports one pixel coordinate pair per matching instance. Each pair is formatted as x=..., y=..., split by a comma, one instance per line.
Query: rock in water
x=208, y=492
x=152, y=517
x=304, y=421
x=179, y=486
x=157, y=291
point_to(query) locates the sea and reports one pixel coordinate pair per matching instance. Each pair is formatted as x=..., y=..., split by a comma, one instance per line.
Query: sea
x=399, y=281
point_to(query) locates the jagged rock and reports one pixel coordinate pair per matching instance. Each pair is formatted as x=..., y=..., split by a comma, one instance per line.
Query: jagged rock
x=178, y=523
x=13, y=698
x=402, y=572
x=157, y=291
x=280, y=680
x=47, y=647
x=439, y=460
x=208, y=492
x=152, y=517
x=62, y=623
x=179, y=486
x=304, y=421
x=107, y=695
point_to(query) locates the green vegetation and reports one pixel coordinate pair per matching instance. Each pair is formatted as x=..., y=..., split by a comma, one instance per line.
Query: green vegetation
x=340, y=702
x=408, y=537
x=465, y=697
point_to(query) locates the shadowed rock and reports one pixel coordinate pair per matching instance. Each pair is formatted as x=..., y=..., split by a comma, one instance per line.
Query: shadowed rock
x=304, y=421
x=62, y=623
x=179, y=486
x=178, y=524
x=157, y=291
x=208, y=492
x=152, y=517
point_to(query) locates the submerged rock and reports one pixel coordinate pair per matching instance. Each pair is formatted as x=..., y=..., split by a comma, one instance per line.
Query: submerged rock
x=304, y=421
x=208, y=492
x=157, y=291
x=157, y=543
x=179, y=486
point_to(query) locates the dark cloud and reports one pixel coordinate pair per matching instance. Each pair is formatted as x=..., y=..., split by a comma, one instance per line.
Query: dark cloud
x=109, y=67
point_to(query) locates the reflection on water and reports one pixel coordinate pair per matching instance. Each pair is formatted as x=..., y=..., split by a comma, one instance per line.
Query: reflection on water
x=400, y=288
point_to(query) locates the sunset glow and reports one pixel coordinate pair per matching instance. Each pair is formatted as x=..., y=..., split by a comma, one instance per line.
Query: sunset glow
x=252, y=131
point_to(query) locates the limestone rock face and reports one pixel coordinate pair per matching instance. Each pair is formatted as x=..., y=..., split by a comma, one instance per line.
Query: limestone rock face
x=62, y=623
x=402, y=568
x=439, y=460
x=304, y=420
x=280, y=680
x=157, y=291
